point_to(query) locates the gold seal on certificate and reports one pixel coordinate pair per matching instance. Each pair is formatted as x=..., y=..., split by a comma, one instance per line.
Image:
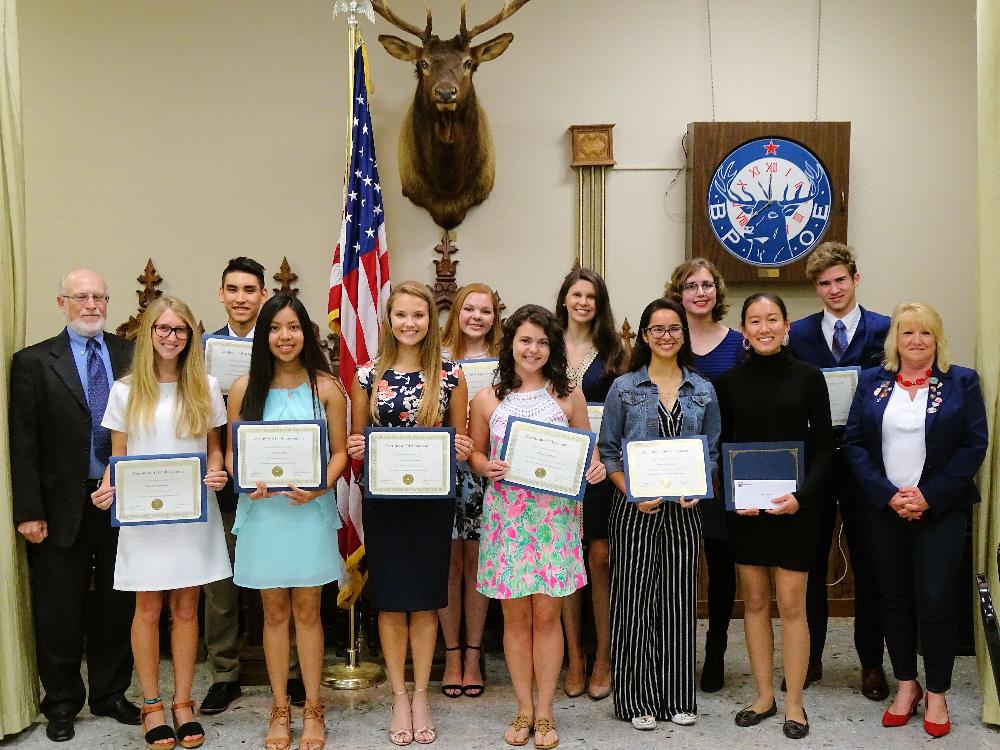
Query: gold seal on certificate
x=412, y=462
x=478, y=374
x=280, y=454
x=227, y=358
x=158, y=489
x=547, y=457
x=841, y=383
x=670, y=468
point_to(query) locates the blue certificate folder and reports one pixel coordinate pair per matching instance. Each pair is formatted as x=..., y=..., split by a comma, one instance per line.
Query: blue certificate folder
x=402, y=432
x=203, y=460
x=761, y=461
x=582, y=486
x=321, y=447
x=708, y=473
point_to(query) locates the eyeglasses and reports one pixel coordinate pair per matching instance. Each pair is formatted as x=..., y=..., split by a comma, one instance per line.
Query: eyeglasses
x=692, y=286
x=164, y=331
x=81, y=299
x=658, y=332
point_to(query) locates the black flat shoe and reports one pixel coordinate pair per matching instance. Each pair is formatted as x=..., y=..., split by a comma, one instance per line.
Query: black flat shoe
x=795, y=730
x=750, y=718
x=120, y=709
x=60, y=728
x=219, y=696
x=296, y=691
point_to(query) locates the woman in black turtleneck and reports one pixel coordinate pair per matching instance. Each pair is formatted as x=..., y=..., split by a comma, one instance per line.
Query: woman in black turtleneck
x=774, y=397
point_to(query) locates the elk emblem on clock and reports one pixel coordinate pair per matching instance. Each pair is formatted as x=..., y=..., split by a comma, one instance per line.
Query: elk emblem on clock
x=769, y=202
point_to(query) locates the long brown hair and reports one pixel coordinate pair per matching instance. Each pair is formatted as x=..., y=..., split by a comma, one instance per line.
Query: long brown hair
x=603, y=330
x=554, y=370
x=194, y=402
x=429, y=412
x=452, y=338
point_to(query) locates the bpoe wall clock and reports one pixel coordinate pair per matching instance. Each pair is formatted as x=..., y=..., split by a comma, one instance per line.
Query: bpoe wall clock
x=761, y=196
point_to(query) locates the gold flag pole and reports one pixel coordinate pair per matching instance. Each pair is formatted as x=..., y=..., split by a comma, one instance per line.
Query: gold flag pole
x=353, y=674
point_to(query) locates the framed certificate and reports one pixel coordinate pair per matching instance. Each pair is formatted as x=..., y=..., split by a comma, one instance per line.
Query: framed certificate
x=478, y=374
x=547, y=457
x=280, y=454
x=841, y=382
x=754, y=474
x=417, y=462
x=226, y=358
x=595, y=413
x=669, y=467
x=157, y=489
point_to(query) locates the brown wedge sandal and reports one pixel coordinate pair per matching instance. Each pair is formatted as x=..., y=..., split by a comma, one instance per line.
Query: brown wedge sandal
x=161, y=737
x=314, y=712
x=282, y=715
x=192, y=729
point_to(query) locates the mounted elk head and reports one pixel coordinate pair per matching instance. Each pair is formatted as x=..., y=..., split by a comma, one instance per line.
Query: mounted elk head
x=446, y=161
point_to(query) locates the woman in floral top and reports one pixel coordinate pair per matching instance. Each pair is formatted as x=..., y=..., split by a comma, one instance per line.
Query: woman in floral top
x=529, y=552
x=408, y=541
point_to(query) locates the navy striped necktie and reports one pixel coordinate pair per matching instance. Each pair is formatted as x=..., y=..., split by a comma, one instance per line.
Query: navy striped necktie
x=97, y=396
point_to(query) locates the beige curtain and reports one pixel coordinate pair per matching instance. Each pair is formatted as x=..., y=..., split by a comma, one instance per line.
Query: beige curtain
x=987, y=517
x=18, y=679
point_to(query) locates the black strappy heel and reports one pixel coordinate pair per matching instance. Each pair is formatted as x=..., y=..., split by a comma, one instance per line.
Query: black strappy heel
x=456, y=690
x=473, y=690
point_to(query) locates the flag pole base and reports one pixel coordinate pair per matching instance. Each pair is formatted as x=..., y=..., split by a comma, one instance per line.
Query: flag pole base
x=346, y=676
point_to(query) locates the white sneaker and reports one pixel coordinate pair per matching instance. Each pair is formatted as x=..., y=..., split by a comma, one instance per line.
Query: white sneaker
x=644, y=722
x=684, y=718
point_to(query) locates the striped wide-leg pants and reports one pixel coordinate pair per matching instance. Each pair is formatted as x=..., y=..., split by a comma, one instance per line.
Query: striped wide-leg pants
x=654, y=590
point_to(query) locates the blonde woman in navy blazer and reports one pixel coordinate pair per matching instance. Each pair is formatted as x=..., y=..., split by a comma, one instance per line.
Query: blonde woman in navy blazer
x=915, y=517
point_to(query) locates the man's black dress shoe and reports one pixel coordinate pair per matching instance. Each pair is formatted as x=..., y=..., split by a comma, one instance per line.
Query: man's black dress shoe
x=813, y=674
x=296, y=691
x=120, y=709
x=873, y=684
x=795, y=730
x=60, y=728
x=750, y=718
x=219, y=696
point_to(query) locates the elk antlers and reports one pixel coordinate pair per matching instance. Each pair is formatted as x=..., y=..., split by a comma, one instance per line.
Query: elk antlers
x=510, y=7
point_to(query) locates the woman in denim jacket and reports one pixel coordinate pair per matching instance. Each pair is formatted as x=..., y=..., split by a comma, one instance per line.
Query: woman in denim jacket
x=655, y=546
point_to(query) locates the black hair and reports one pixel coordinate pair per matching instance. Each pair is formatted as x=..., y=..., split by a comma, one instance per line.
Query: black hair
x=242, y=264
x=607, y=341
x=641, y=353
x=757, y=297
x=554, y=370
x=262, y=360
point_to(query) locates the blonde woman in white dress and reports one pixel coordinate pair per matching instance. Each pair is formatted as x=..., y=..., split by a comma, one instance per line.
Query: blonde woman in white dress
x=168, y=404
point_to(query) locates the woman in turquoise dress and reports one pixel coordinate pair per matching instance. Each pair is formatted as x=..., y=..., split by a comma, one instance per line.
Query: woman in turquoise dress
x=530, y=554
x=286, y=542
x=408, y=541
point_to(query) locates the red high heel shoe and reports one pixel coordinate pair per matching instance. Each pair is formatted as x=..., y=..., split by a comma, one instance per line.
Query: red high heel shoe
x=890, y=719
x=934, y=729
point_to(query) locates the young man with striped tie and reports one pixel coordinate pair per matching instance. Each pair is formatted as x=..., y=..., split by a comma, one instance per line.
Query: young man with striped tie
x=843, y=334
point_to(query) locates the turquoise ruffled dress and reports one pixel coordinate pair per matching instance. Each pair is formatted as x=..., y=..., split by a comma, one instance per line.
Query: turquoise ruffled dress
x=279, y=545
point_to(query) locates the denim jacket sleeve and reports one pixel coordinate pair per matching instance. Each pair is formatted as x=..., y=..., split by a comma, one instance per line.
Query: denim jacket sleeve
x=612, y=429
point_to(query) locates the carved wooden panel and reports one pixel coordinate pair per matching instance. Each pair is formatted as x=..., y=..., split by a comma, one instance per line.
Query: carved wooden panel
x=149, y=279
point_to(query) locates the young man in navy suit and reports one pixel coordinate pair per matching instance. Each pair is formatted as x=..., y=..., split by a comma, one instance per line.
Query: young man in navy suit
x=242, y=293
x=843, y=334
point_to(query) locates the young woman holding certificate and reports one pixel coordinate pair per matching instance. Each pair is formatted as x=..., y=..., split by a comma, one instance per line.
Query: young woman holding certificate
x=168, y=405
x=530, y=554
x=594, y=357
x=471, y=333
x=408, y=539
x=655, y=545
x=286, y=542
x=773, y=397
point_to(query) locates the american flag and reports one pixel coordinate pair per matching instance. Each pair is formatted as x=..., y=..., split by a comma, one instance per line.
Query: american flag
x=359, y=288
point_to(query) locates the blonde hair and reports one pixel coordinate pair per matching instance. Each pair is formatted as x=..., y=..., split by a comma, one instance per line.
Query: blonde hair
x=429, y=412
x=828, y=255
x=454, y=341
x=194, y=403
x=930, y=319
x=684, y=270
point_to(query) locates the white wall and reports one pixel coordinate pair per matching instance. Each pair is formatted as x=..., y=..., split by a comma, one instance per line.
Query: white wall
x=190, y=131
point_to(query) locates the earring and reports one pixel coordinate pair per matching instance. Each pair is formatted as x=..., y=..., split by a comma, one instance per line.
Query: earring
x=746, y=345
x=784, y=341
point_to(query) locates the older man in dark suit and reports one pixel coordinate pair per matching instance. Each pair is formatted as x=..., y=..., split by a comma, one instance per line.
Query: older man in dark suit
x=843, y=334
x=58, y=452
